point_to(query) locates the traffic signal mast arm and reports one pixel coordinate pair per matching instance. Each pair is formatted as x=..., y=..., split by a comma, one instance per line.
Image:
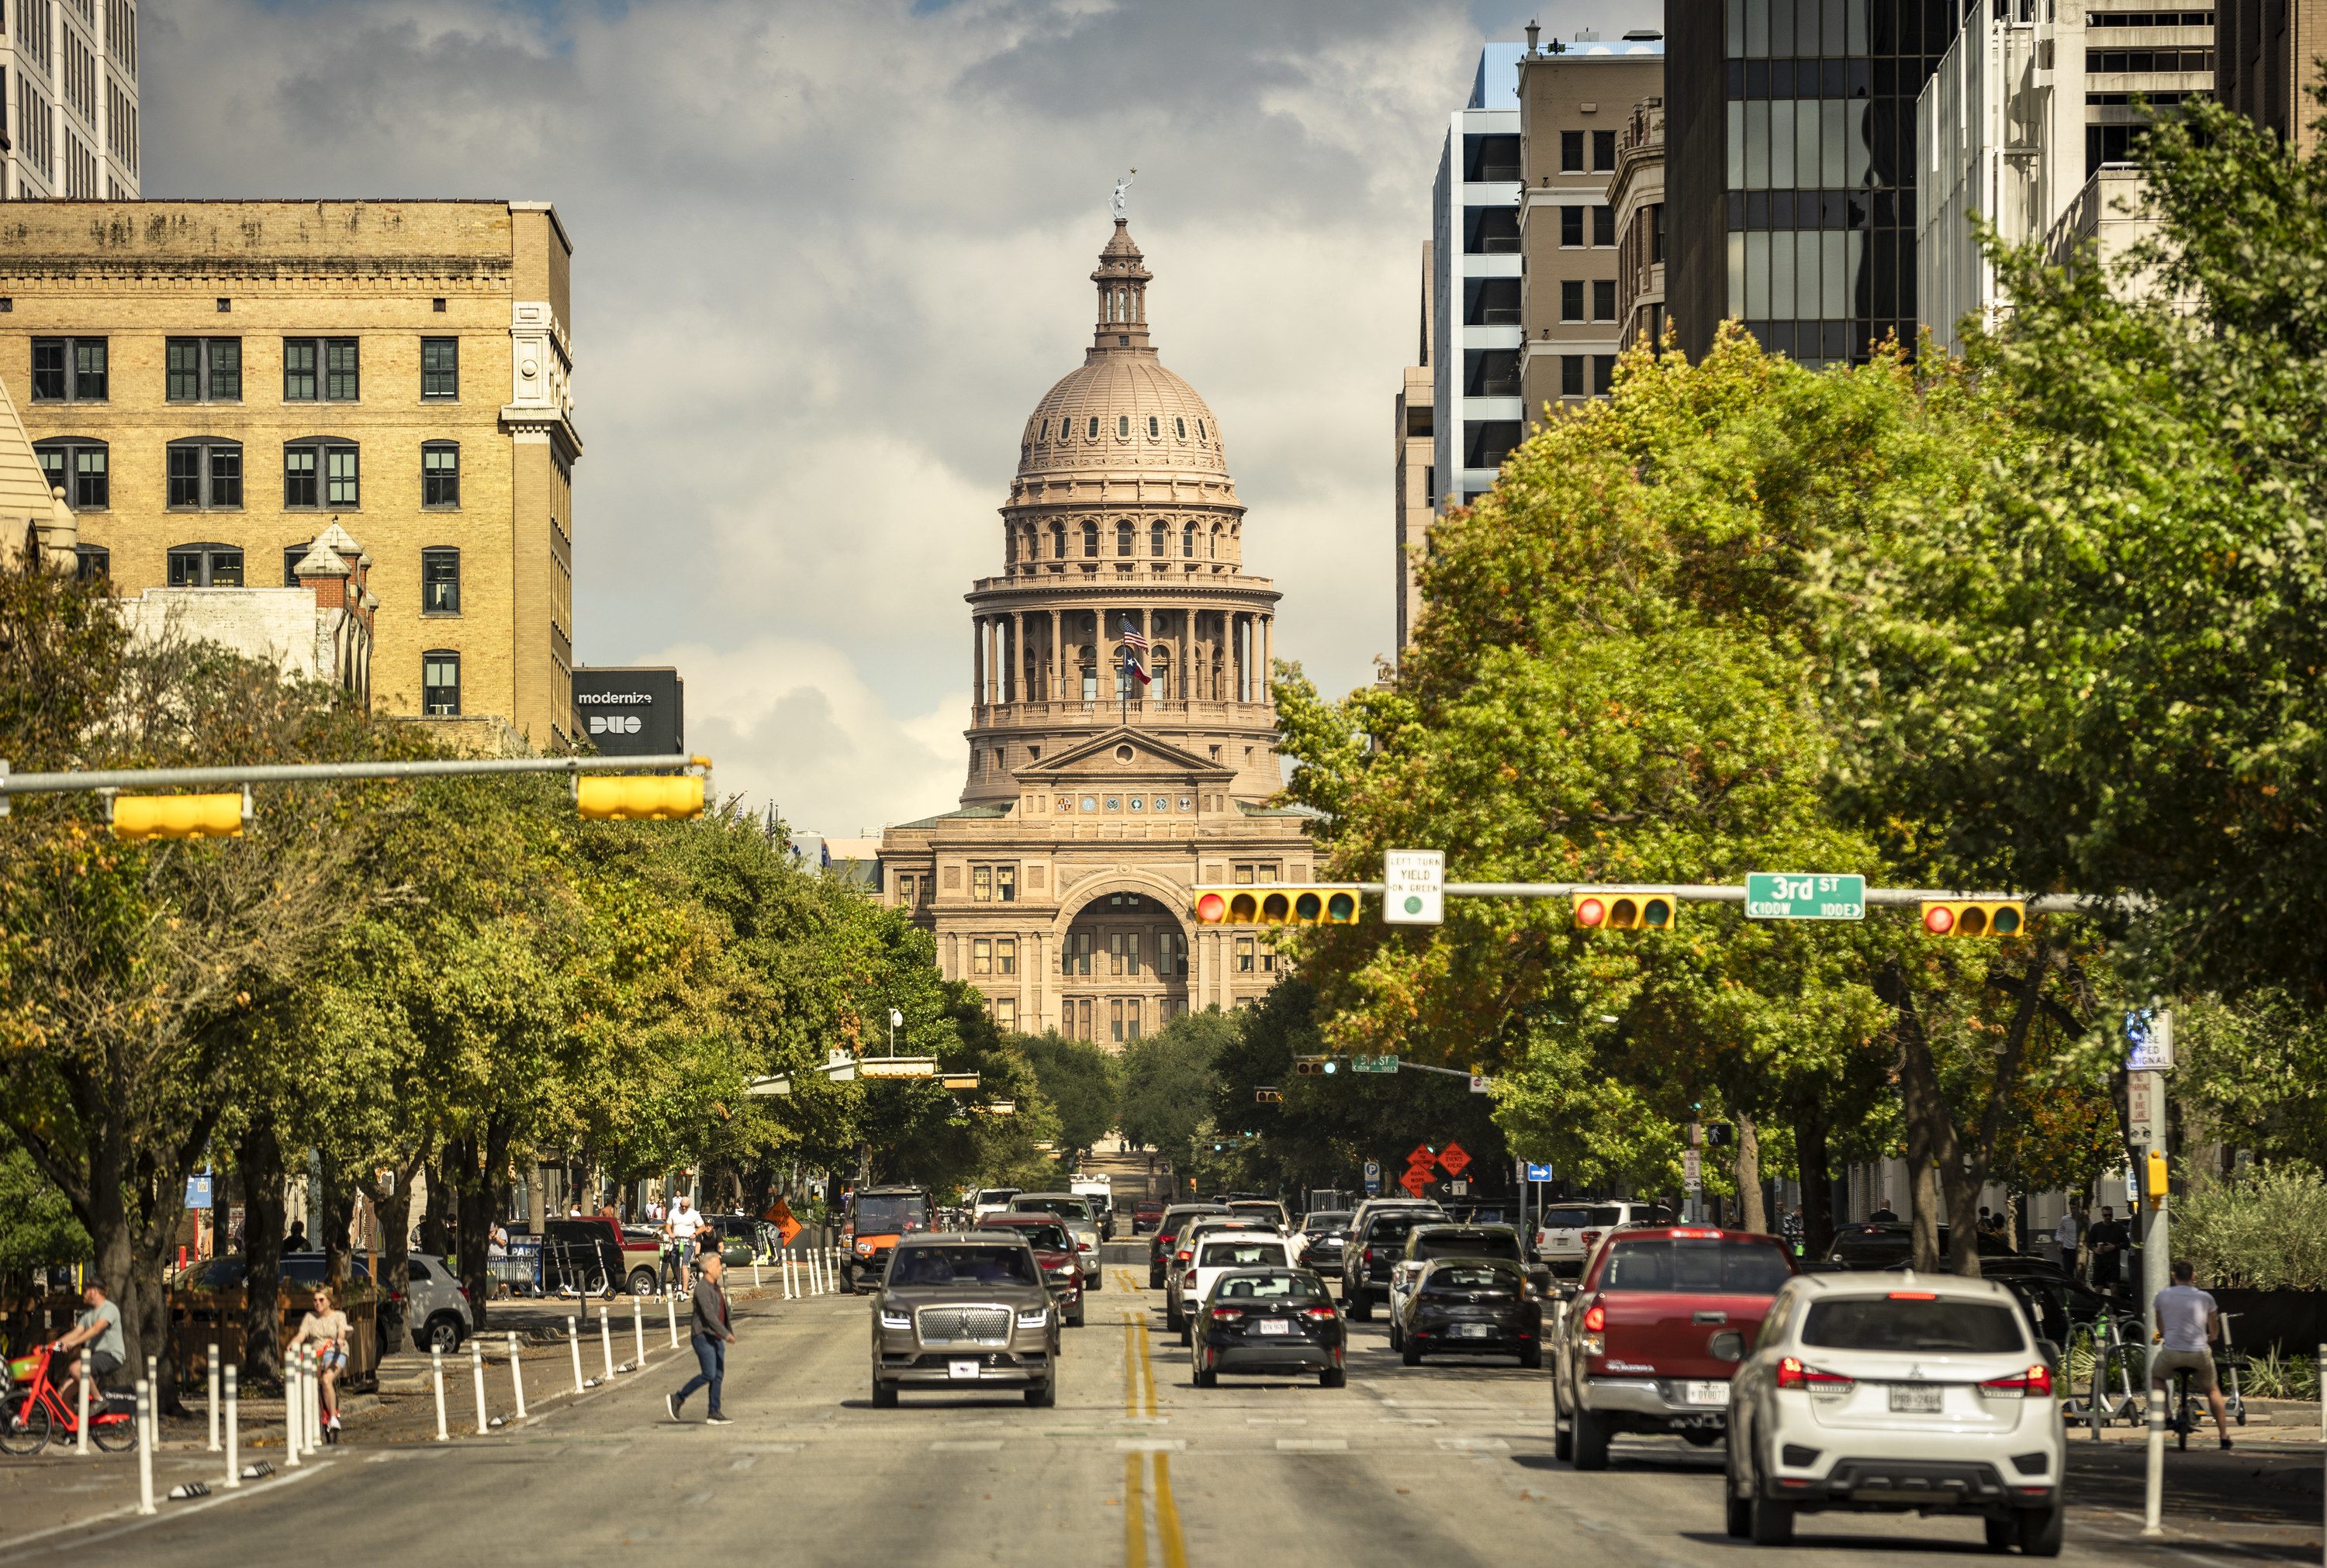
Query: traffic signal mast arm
x=2040, y=904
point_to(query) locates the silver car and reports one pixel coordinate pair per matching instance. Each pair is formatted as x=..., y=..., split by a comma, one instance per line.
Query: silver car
x=436, y=1304
x=1074, y=1210
x=966, y=1311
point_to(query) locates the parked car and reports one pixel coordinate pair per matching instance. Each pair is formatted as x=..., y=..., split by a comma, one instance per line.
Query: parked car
x=593, y=1255
x=1219, y=1249
x=1890, y=1243
x=1082, y=1222
x=1054, y=1249
x=1569, y=1231
x=436, y=1304
x=1377, y=1241
x=1471, y=1306
x=1663, y=1315
x=1426, y=1242
x=1885, y=1394
x=965, y=1311
x=1267, y=1321
x=1145, y=1213
x=1166, y=1235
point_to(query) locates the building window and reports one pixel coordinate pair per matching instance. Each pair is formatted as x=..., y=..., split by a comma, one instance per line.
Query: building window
x=1131, y=1018
x=1115, y=1018
x=1166, y=954
x=1006, y=955
x=1131, y=953
x=1571, y=299
x=981, y=956
x=1075, y=956
x=1491, y=301
x=1006, y=884
x=1123, y=538
x=206, y=474
x=1244, y=955
x=1058, y=541
x=1604, y=152
x=981, y=884
x=1090, y=541
x=1604, y=375
x=1269, y=955
x=440, y=367
x=1158, y=539
x=1005, y=1014
x=440, y=684
x=1115, y=952
x=1656, y=232
x=80, y=469
x=1571, y=227
x=320, y=370
x=205, y=370
x=91, y=562
x=1570, y=152
x=1603, y=226
x=1603, y=299
x=1490, y=231
x=440, y=582
x=440, y=475
x=1571, y=374
x=69, y=370
x=205, y=566
x=320, y=473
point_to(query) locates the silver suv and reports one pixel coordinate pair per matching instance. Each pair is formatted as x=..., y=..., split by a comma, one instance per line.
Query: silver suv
x=965, y=1311
x=436, y=1305
x=1569, y=1231
x=1074, y=1211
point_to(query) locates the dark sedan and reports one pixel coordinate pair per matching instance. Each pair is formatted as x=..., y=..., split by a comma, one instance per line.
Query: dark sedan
x=1471, y=1306
x=1325, y=1232
x=1267, y=1321
x=1166, y=1236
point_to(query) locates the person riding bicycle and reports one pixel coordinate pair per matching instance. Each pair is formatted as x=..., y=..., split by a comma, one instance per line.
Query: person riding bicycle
x=328, y=1328
x=2187, y=1318
x=681, y=1227
x=98, y=1328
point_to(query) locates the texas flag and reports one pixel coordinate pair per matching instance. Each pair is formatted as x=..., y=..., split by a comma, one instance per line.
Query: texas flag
x=1133, y=660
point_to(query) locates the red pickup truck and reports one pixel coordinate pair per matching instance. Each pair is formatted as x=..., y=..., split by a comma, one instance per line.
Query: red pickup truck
x=1662, y=1318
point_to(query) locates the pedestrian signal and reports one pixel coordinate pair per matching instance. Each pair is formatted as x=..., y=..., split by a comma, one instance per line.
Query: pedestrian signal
x=1284, y=904
x=641, y=797
x=1624, y=911
x=140, y=816
x=1978, y=918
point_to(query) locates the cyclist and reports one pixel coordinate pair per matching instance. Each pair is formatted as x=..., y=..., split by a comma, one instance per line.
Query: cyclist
x=2187, y=1318
x=328, y=1328
x=100, y=1328
x=681, y=1227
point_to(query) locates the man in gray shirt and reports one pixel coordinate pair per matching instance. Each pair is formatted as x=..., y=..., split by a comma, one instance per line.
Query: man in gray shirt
x=99, y=1328
x=2186, y=1320
x=711, y=1337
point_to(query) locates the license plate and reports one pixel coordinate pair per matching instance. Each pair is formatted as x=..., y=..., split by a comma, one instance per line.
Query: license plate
x=1907, y=1399
x=963, y=1369
x=1708, y=1394
x=1272, y=1326
x=1472, y=1330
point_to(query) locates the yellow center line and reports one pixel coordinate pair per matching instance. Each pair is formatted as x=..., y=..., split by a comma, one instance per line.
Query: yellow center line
x=1135, y=1515
x=1167, y=1514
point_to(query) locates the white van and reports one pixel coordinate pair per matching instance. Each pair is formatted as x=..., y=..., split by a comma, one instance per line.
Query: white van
x=1098, y=1191
x=985, y=1200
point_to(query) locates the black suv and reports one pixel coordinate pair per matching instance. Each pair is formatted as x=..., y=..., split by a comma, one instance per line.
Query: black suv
x=1369, y=1258
x=1165, y=1237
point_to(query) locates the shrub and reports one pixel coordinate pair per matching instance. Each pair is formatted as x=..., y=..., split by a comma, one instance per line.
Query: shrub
x=2264, y=1230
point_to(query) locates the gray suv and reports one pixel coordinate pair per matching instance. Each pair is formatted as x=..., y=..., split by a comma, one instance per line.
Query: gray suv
x=965, y=1311
x=1074, y=1211
x=436, y=1305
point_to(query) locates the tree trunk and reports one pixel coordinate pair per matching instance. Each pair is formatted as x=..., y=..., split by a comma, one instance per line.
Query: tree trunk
x=435, y=1233
x=259, y=1156
x=1811, y=1164
x=1931, y=1143
x=337, y=1221
x=1749, y=1177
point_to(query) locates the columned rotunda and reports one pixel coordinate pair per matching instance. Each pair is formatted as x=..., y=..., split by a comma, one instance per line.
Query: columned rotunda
x=1093, y=803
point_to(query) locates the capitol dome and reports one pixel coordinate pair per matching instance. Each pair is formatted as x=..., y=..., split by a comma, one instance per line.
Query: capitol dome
x=1121, y=408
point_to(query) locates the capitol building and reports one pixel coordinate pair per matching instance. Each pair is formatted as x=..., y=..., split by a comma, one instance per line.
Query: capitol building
x=1094, y=802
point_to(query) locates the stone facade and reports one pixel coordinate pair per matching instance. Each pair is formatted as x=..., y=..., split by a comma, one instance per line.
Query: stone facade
x=216, y=383
x=1095, y=803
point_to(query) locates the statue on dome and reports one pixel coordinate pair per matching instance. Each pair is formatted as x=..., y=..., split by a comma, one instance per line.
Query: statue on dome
x=1121, y=200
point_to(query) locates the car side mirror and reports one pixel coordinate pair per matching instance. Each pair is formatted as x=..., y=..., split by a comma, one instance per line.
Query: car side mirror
x=1729, y=1345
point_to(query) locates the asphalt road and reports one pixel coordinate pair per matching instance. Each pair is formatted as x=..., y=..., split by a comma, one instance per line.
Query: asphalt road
x=1447, y=1465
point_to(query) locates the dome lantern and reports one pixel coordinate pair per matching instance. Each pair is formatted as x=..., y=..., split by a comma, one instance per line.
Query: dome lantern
x=1122, y=278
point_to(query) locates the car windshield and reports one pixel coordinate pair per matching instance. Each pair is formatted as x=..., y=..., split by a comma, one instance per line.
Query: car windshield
x=1270, y=1287
x=1907, y=1322
x=1240, y=1255
x=1469, y=1276
x=1257, y=1210
x=1702, y=1264
x=1488, y=1244
x=1392, y=1227
x=890, y=1216
x=1064, y=1207
x=1334, y=1219
x=1566, y=1218
x=1046, y=1237
x=963, y=1265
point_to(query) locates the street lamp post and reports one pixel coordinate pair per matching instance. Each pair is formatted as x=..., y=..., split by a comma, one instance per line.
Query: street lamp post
x=896, y=1020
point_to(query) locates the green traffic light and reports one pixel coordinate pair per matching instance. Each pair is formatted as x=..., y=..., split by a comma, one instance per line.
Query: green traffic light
x=1329, y=1068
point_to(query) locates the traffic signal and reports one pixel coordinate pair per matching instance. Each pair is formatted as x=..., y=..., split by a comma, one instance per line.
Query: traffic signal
x=1624, y=911
x=1283, y=904
x=142, y=816
x=639, y=798
x=1267, y=1096
x=1311, y=1066
x=1976, y=918
x=1719, y=1135
x=2156, y=1183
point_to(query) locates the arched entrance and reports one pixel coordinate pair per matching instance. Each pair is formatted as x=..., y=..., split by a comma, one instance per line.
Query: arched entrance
x=1123, y=968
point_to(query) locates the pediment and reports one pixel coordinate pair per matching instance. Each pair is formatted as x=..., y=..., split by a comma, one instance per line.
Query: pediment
x=1100, y=760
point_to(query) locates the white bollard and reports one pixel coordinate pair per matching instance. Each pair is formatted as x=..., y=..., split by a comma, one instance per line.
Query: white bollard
x=233, y=1432
x=214, y=1398
x=784, y=1264
x=606, y=1342
x=311, y=1410
x=670, y=1311
x=477, y=1366
x=516, y=1377
x=144, y=1446
x=436, y=1365
x=2154, y=1500
x=154, y=1411
x=84, y=1406
x=755, y=1271
x=574, y=1339
x=293, y=1443
x=638, y=1331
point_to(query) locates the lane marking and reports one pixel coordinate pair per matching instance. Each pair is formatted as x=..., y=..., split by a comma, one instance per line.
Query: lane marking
x=746, y=1463
x=241, y=1494
x=1151, y=1444
x=1472, y=1444
x=697, y=1497
x=990, y=1445
x=1312, y=1446
x=1134, y=1513
x=1167, y=1516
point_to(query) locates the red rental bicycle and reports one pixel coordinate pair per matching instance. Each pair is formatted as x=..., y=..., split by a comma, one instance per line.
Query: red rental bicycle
x=34, y=1410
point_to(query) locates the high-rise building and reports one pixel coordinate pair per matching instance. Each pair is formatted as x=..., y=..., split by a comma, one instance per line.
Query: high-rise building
x=2267, y=61
x=1095, y=802
x=1477, y=409
x=1413, y=435
x=1575, y=99
x=70, y=102
x=215, y=384
x=1790, y=136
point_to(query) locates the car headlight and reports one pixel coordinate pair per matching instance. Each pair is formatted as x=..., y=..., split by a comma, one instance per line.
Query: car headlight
x=1035, y=1319
x=895, y=1317
x=865, y=1247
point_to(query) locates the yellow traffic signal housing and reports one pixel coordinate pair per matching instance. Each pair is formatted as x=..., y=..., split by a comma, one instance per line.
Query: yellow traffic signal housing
x=2155, y=1177
x=1269, y=1096
x=138, y=816
x=1646, y=910
x=1308, y=1066
x=1281, y=904
x=647, y=798
x=1975, y=918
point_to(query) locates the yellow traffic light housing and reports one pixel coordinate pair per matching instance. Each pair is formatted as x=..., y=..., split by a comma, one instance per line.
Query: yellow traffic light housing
x=1644, y=909
x=1269, y=1096
x=2156, y=1178
x=1311, y=1066
x=142, y=816
x=1281, y=904
x=1975, y=918
x=639, y=798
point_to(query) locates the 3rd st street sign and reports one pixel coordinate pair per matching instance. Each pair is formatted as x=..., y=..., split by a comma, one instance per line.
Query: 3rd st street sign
x=1784, y=895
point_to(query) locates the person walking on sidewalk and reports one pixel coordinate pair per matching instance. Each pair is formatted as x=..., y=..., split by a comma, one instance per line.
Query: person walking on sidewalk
x=712, y=1336
x=2186, y=1320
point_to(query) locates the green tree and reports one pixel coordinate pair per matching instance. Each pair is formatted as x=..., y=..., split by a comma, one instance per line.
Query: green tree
x=1167, y=1083
x=1079, y=1079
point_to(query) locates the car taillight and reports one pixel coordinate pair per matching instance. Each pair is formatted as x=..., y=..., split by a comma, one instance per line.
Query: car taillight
x=1792, y=1374
x=463, y=1290
x=1320, y=1313
x=1595, y=1320
x=1914, y=1295
x=1369, y=1255
x=1227, y=1314
x=1589, y=1237
x=1187, y=1253
x=1696, y=1236
x=2036, y=1383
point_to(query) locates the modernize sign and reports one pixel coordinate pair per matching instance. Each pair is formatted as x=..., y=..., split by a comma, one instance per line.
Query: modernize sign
x=632, y=712
x=1804, y=896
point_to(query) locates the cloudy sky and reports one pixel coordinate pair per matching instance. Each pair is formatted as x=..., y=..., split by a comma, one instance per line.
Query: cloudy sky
x=828, y=256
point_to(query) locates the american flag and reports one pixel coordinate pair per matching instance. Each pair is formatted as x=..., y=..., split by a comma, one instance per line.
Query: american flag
x=1133, y=662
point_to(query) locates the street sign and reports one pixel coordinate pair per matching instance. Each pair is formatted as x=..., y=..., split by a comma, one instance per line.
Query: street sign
x=1414, y=884
x=1373, y=1176
x=1459, y=1188
x=198, y=1192
x=1373, y=1064
x=1691, y=1171
x=1424, y=1156
x=1416, y=1180
x=1783, y=895
x=1480, y=1084
x=1454, y=1157
x=1540, y=1173
x=2145, y=1106
x=2149, y=1040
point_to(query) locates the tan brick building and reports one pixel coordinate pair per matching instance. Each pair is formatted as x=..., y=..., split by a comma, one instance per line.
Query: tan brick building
x=1094, y=803
x=215, y=384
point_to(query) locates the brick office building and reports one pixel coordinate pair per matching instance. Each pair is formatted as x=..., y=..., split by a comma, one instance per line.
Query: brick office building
x=215, y=384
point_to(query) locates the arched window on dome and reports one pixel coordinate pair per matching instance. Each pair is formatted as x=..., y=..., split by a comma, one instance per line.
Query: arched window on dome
x=1158, y=537
x=1187, y=541
x=1180, y=426
x=1123, y=427
x=1216, y=542
x=1090, y=541
x=1043, y=430
x=1123, y=537
x=1094, y=427
x=1155, y=427
x=1058, y=541
x=1199, y=431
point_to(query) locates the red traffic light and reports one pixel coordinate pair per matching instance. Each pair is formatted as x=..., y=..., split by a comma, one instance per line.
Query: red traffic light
x=1938, y=919
x=1211, y=909
x=1590, y=912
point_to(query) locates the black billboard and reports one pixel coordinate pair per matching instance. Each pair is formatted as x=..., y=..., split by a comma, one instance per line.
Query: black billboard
x=633, y=712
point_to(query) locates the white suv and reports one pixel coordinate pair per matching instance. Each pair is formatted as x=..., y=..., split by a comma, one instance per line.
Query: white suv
x=1883, y=1392
x=1568, y=1232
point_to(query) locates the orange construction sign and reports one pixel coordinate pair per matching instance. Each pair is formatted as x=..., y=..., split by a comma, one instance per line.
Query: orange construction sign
x=1454, y=1157
x=781, y=1217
